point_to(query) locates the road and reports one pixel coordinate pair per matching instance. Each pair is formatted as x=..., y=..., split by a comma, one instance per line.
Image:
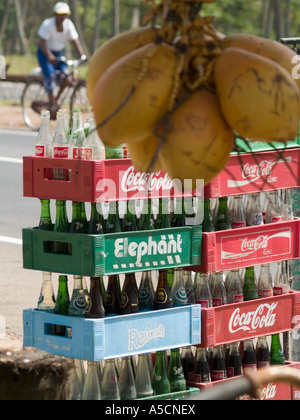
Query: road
x=19, y=287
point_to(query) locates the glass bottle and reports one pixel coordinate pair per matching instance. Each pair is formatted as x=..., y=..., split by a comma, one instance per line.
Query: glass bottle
x=218, y=292
x=91, y=389
x=62, y=303
x=77, y=144
x=77, y=224
x=75, y=384
x=170, y=277
x=96, y=221
x=188, y=363
x=114, y=152
x=45, y=222
x=129, y=303
x=93, y=141
x=276, y=353
x=223, y=220
x=238, y=219
x=146, y=292
x=262, y=353
x=160, y=382
x=178, y=217
x=61, y=225
x=234, y=361
x=249, y=356
x=175, y=374
x=189, y=287
x=162, y=220
x=202, y=369
x=218, y=366
x=234, y=288
x=60, y=148
x=95, y=306
x=113, y=224
x=126, y=380
x=178, y=293
x=129, y=220
x=109, y=385
x=207, y=224
x=250, y=289
x=113, y=295
x=287, y=205
x=143, y=377
x=281, y=284
x=264, y=284
x=46, y=300
x=163, y=298
x=146, y=220
x=202, y=290
x=255, y=214
x=43, y=143
x=78, y=300
x=273, y=212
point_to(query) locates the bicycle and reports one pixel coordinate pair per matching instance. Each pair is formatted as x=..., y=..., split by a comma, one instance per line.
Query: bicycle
x=35, y=98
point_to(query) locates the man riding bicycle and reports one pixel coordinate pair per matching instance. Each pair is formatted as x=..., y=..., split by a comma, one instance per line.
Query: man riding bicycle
x=54, y=33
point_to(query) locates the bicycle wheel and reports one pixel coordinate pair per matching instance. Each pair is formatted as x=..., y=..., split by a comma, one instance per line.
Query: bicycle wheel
x=80, y=100
x=34, y=99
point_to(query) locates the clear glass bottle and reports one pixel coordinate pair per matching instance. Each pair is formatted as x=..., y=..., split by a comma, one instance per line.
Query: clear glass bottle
x=44, y=140
x=238, y=219
x=203, y=291
x=78, y=300
x=77, y=144
x=91, y=389
x=46, y=300
x=189, y=287
x=281, y=284
x=178, y=293
x=109, y=385
x=93, y=141
x=143, y=377
x=60, y=148
x=234, y=288
x=287, y=205
x=273, y=212
x=264, y=284
x=218, y=292
x=255, y=214
x=127, y=385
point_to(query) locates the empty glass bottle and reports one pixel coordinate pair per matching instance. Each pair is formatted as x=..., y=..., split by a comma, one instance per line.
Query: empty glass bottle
x=126, y=380
x=143, y=377
x=234, y=288
x=78, y=300
x=91, y=389
x=146, y=292
x=218, y=291
x=129, y=220
x=238, y=219
x=109, y=385
x=61, y=225
x=273, y=212
x=203, y=291
x=178, y=293
x=255, y=214
x=46, y=300
x=281, y=284
x=146, y=220
x=112, y=224
x=189, y=287
x=264, y=284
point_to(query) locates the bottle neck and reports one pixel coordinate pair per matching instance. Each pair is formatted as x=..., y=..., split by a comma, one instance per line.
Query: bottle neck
x=78, y=283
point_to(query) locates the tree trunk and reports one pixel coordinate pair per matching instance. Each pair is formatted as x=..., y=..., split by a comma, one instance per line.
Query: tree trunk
x=116, y=17
x=95, y=41
x=4, y=23
x=278, y=26
x=20, y=28
x=77, y=22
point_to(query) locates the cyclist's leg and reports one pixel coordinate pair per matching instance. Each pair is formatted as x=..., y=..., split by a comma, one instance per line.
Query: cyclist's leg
x=48, y=70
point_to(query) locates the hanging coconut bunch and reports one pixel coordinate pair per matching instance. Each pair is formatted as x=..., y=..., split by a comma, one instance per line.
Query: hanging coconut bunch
x=177, y=92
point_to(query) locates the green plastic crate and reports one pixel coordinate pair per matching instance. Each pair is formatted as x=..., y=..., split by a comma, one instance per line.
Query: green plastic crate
x=95, y=255
x=180, y=395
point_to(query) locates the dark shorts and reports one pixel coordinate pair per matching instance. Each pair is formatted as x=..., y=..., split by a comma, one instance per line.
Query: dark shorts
x=50, y=70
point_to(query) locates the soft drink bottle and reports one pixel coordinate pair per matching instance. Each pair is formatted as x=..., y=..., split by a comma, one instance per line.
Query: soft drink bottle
x=218, y=366
x=255, y=215
x=262, y=353
x=113, y=295
x=179, y=217
x=45, y=222
x=129, y=303
x=143, y=377
x=43, y=143
x=60, y=148
x=77, y=145
x=202, y=369
x=264, y=284
x=61, y=225
x=96, y=221
x=188, y=363
x=114, y=152
x=163, y=298
x=77, y=224
x=46, y=300
x=250, y=289
x=109, y=385
x=178, y=293
x=93, y=141
x=95, y=307
x=207, y=224
x=287, y=205
x=126, y=380
x=129, y=223
x=202, y=290
x=146, y=292
x=162, y=220
x=62, y=303
x=160, y=382
x=175, y=374
x=223, y=220
x=189, y=287
x=78, y=300
x=112, y=224
x=273, y=212
x=91, y=389
x=276, y=353
x=248, y=356
x=238, y=219
x=234, y=361
x=234, y=288
x=146, y=220
x=218, y=292
x=281, y=284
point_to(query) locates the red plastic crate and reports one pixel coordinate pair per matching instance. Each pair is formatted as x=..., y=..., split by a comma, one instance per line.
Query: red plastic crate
x=92, y=181
x=253, y=245
x=274, y=391
x=245, y=320
x=248, y=173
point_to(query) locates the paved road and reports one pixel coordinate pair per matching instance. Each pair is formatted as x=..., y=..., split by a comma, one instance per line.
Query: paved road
x=19, y=287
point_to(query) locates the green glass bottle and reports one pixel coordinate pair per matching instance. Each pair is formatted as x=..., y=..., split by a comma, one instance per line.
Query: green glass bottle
x=223, y=220
x=129, y=220
x=61, y=225
x=276, y=353
x=146, y=220
x=160, y=383
x=45, y=222
x=207, y=224
x=176, y=374
x=62, y=303
x=113, y=224
x=77, y=224
x=162, y=220
x=96, y=221
x=250, y=289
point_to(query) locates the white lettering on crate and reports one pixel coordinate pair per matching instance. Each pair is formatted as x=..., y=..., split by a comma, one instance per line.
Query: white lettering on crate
x=138, y=339
x=262, y=317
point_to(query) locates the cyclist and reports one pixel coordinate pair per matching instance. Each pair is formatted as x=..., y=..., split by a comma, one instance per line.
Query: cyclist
x=54, y=33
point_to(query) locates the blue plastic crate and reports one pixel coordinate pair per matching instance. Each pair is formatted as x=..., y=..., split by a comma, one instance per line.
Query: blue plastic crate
x=106, y=338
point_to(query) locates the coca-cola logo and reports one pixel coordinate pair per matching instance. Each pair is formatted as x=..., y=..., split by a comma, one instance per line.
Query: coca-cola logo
x=39, y=150
x=262, y=317
x=142, y=181
x=60, y=152
x=261, y=242
x=263, y=168
x=267, y=392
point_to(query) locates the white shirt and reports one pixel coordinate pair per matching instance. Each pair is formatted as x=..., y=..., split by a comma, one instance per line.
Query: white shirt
x=56, y=41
